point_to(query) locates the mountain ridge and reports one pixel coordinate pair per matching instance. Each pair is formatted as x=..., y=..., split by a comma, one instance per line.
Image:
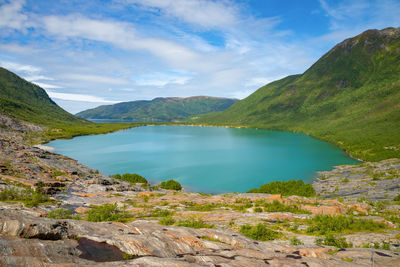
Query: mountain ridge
x=349, y=97
x=28, y=101
x=161, y=109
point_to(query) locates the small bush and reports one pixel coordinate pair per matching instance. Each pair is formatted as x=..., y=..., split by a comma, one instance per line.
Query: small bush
x=161, y=213
x=194, y=223
x=324, y=224
x=276, y=206
x=258, y=209
x=294, y=241
x=60, y=214
x=171, y=185
x=397, y=198
x=167, y=221
x=29, y=197
x=132, y=178
x=259, y=232
x=330, y=240
x=107, y=212
x=286, y=188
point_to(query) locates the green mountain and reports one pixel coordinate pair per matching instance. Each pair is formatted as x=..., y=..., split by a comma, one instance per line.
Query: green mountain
x=29, y=102
x=159, y=109
x=349, y=97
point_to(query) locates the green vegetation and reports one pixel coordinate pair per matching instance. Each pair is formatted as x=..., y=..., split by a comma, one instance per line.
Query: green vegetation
x=327, y=224
x=29, y=197
x=201, y=207
x=107, y=212
x=349, y=98
x=384, y=245
x=167, y=221
x=294, y=241
x=330, y=240
x=161, y=213
x=397, y=198
x=259, y=232
x=194, y=223
x=276, y=206
x=132, y=178
x=159, y=109
x=286, y=188
x=171, y=185
x=60, y=214
x=27, y=101
x=66, y=131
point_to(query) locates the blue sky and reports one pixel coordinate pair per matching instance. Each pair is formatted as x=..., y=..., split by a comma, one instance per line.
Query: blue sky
x=96, y=52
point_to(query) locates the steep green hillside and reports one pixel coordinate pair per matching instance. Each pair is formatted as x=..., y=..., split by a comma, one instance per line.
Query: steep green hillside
x=29, y=102
x=159, y=109
x=349, y=97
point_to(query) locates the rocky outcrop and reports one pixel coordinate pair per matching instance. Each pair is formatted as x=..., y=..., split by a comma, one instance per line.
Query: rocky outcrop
x=35, y=241
x=371, y=180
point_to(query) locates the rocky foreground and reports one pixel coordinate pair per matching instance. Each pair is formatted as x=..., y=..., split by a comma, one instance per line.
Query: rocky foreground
x=166, y=228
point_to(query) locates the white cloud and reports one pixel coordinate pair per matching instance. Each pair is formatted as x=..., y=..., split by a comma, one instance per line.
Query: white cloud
x=257, y=82
x=27, y=69
x=33, y=78
x=47, y=86
x=161, y=79
x=241, y=94
x=11, y=16
x=123, y=35
x=204, y=13
x=79, y=97
x=91, y=78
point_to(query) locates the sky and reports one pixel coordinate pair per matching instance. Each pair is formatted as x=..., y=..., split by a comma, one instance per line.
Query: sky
x=96, y=52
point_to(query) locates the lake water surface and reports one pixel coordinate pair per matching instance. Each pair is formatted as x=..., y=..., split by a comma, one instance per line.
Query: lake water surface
x=205, y=159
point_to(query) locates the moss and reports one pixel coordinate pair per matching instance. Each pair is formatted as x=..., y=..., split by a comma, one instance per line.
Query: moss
x=167, y=221
x=194, y=223
x=259, y=232
x=107, y=212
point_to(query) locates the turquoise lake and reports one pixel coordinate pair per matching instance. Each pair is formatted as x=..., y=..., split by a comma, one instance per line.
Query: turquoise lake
x=205, y=159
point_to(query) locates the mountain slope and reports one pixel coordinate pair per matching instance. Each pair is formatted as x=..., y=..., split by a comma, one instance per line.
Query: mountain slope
x=349, y=97
x=29, y=102
x=159, y=109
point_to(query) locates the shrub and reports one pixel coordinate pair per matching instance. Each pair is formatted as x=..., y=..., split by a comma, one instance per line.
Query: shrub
x=324, y=224
x=167, y=221
x=276, y=206
x=107, y=212
x=286, y=188
x=194, y=223
x=29, y=197
x=397, y=198
x=132, y=178
x=294, y=241
x=259, y=232
x=171, y=185
x=161, y=213
x=330, y=240
x=258, y=209
x=60, y=214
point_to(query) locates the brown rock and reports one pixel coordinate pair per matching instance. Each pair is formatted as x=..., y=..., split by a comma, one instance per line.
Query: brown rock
x=326, y=210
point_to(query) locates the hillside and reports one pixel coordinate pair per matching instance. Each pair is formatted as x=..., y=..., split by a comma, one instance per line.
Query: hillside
x=349, y=97
x=29, y=102
x=159, y=109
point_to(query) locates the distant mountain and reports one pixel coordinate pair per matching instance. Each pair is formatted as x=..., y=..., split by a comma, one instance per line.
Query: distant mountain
x=350, y=97
x=159, y=109
x=27, y=101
